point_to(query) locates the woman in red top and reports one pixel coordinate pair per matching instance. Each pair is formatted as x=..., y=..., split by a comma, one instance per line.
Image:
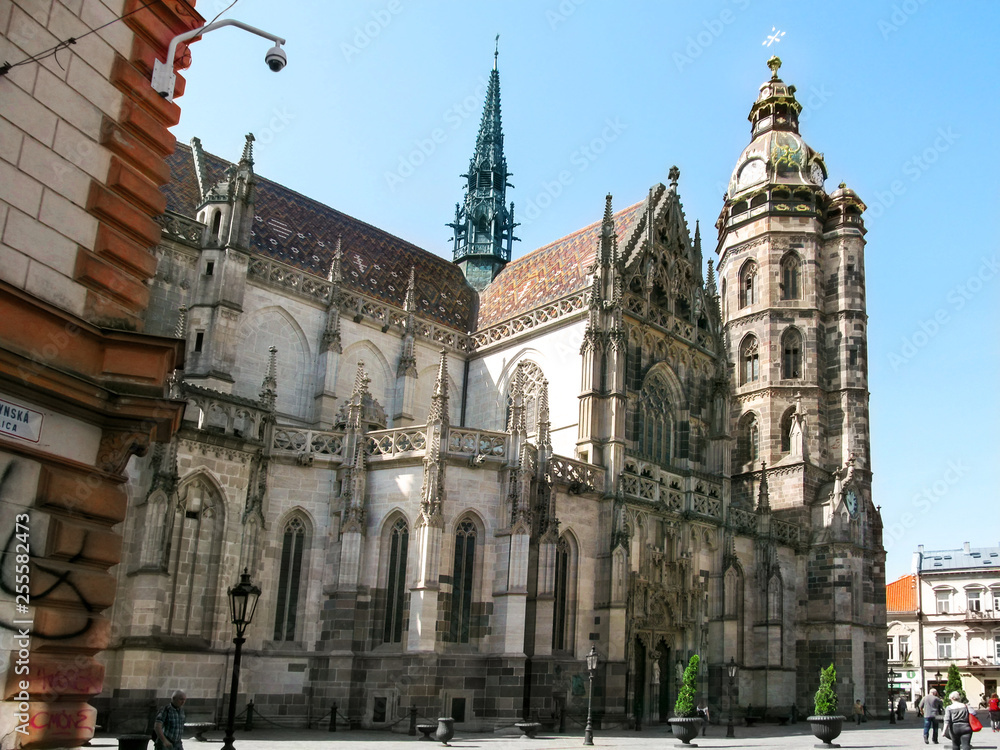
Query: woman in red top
x=994, y=712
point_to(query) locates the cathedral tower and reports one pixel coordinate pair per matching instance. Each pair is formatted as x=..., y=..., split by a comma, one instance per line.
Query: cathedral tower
x=484, y=226
x=791, y=269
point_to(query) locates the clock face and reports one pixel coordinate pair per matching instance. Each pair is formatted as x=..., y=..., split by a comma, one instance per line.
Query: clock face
x=752, y=173
x=816, y=174
x=851, y=501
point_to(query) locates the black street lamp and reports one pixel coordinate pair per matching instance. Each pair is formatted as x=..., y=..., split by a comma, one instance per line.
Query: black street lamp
x=733, y=668
x=592, y=659
x=242, y=603
x=892, y=686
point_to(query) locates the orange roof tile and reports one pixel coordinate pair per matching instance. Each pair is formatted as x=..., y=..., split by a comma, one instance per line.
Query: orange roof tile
x=901, y=595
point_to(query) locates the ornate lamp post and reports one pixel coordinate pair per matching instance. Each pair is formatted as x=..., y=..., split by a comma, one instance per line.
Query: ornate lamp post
x=242, y=603
x=592, y=659
x=892, y=704
x=733, y=668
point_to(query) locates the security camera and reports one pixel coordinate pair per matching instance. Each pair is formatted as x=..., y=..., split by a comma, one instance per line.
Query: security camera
x=276, y=58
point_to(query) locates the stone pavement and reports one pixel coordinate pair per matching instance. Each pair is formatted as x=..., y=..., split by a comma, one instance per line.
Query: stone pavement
x=873, y=734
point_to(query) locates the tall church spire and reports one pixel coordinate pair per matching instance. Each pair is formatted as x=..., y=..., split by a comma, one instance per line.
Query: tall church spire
x=483, y=225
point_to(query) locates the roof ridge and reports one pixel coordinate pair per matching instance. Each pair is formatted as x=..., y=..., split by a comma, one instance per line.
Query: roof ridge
x=315, y=202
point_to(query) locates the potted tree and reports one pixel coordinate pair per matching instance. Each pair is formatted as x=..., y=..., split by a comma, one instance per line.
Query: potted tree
x=954, y=683
x=686, y=723
x=826, y=723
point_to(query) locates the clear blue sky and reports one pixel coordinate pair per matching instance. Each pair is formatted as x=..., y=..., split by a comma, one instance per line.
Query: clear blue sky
x=377, y=112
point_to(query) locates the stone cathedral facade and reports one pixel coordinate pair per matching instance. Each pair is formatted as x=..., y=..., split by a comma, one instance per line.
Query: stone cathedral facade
x=452, y=479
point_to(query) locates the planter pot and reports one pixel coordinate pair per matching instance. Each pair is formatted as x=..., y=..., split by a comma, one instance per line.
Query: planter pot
x=133, y=741
x=445, y=730
x=427, y=730
x=686, y=728
x=528, y=728
x=826, y=729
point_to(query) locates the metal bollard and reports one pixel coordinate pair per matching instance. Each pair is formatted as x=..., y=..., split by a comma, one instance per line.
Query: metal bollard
x=333, y=718
x=562, y=718
x=248, y=726
x=413, y=722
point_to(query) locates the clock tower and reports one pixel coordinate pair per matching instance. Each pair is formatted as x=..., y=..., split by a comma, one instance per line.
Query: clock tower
x=792, y=293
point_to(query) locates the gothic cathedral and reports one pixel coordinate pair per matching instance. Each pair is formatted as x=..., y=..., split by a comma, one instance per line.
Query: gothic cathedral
x=453, y=479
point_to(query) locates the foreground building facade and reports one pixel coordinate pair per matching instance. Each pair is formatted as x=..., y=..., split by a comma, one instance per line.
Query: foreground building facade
x=451, y=480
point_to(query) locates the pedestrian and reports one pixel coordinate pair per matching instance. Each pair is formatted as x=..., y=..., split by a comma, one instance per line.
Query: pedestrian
x=956, y=723
x=859, y=711
x=901, y=708
x=170, y=723
x=703, y=713
x=994, y=707
x=933, y=706
x=919, y=705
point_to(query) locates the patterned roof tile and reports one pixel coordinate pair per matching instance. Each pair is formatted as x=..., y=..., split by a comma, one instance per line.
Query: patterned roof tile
x=293, y=229
x=550, y=272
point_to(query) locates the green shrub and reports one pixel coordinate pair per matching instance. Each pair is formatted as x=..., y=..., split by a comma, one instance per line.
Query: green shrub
x=685, y=705
x=954, y=683
x=826, y=696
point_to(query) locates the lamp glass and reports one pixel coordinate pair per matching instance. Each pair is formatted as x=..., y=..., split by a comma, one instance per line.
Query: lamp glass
x=243, y=601
x=732, y=667
x=592, y=659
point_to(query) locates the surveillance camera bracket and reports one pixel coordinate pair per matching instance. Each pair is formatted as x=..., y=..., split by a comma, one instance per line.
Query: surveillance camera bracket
x=163, y=72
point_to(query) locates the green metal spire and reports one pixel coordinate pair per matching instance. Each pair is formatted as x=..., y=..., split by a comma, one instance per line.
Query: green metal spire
x=483, y=225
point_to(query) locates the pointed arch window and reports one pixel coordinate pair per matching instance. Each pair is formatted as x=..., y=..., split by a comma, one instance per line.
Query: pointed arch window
x=193, y=550
x=791, y=354
x=734, y=592
x=532, y=382
x=749, y=360
x=749, y=439
x=657, y=419
x=749, y=292
x=790, y=268
x=289, y=578
x=462, y=581
x=560, y=618
x=774, y=598
x=786, y=429
x=395, y=590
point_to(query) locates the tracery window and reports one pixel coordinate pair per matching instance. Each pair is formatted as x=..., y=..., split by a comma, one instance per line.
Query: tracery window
x=560, y=618
x=289, y=578
x=462, y=580
x=791, y=354
x=774, y=598
x=392, y=630
x=749, y=360
x=790, y=266
x=786, y=429
x=749, y=292
x=192, y=551
x=657, y=419
x=734, y=592
x=532, y=383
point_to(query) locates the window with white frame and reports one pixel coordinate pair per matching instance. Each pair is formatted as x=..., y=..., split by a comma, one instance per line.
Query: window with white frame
x=890, y=643
x=943, y=598
x=996, y=600
x=996, y=649
x=944, y=643
x=904, y=647
x=974, y=599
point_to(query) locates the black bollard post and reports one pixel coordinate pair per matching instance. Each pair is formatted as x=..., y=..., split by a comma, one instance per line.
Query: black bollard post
x=562, y=718
x=413, y=722
x=333, y=718
x=248, y=726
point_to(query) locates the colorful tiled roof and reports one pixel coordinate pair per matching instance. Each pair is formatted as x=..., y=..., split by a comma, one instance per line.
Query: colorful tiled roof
x=550, y=272
x=901, y=595
x=303, y=233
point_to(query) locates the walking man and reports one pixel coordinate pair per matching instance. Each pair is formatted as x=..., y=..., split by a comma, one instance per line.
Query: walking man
x=932, y=705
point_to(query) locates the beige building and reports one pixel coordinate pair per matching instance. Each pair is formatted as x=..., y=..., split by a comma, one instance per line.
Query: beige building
x=948, y=612
x=451, y=480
